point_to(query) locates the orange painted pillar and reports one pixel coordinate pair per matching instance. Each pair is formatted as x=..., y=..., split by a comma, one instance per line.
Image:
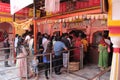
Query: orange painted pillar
x=60, y=28
x=41, y=28
x=35, y=36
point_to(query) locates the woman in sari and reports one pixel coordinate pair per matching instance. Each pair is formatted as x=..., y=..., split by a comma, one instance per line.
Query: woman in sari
x=76, y=43
x=21, y=62
x=103, y=54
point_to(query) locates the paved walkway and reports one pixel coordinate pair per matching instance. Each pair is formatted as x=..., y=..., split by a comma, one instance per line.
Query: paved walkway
x=10, y=73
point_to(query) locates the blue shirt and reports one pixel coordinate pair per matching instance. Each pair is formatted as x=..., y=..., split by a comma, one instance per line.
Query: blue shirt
x=45, y=59
x=58, y=47
x=35, y=62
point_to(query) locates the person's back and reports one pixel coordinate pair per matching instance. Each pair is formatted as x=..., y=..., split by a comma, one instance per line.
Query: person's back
x=66, y=42
x=85, y=50
x=85, y=44
x=16, y=41
x=39, y=41
x=76, y=50
x=6, y=51
x=58, y=46
x=31, y=42
x=22, y=62
x=46, y=58
x=6, y=45
x=27, y=39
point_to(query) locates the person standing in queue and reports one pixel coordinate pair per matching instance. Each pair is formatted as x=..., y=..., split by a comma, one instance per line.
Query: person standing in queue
x=46, y=57
x=58, y=47
x=103, y=54
x=21, y=63
x=6, y=51
x=67, y=44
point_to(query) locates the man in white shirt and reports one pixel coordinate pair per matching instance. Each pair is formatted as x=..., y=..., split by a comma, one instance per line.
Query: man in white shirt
x=31, y=44
x=16, y=42
x=44, y=38
x=27, y=38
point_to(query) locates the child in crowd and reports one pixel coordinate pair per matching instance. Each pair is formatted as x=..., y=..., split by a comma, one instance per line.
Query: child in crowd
x=35, y=66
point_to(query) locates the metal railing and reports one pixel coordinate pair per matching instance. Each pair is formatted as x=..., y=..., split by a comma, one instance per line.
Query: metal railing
x=28, y=57
x=99, y=75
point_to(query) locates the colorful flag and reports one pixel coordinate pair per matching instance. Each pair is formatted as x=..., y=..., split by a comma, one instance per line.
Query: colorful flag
x=16, y=5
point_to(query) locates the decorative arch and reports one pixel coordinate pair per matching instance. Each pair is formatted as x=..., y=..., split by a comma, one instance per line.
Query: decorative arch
x=8, y=27
x=96, y=37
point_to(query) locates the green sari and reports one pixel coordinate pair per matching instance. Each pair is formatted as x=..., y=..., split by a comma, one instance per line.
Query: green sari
x=103, y=56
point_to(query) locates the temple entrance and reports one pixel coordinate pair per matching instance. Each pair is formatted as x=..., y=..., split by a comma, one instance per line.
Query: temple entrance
x=6, y=29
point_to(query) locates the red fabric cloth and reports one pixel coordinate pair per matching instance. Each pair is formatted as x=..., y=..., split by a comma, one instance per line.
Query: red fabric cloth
x=77, y=49
x=102, y=41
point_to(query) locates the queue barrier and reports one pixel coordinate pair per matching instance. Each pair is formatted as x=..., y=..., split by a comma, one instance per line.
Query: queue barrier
x=29, y=57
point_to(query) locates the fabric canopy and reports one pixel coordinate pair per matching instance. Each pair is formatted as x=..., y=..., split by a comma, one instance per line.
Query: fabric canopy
x=20, y=27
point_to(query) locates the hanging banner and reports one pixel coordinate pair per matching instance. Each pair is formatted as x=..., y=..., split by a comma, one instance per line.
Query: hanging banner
x=20, y=27
x=16, y=5
x=52, y=5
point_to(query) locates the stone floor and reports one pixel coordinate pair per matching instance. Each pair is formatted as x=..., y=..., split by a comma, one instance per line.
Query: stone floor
x=89, y=71
x=10, y=73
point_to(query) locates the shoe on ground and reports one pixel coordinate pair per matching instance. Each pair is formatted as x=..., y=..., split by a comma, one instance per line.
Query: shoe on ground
x=58, y=73
x=7, y=66
x=47, y=77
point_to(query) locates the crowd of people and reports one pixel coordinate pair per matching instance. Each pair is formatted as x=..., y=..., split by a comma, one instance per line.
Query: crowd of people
x=46, y=44
x=49, y=44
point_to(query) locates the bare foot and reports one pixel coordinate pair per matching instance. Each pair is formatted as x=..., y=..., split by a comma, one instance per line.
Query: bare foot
x=101, y=69
x=36, y=78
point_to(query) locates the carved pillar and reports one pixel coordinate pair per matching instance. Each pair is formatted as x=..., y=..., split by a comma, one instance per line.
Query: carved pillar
x=115, y=68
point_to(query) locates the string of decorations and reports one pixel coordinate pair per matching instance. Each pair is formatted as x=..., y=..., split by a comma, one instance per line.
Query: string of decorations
x=74, y=18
